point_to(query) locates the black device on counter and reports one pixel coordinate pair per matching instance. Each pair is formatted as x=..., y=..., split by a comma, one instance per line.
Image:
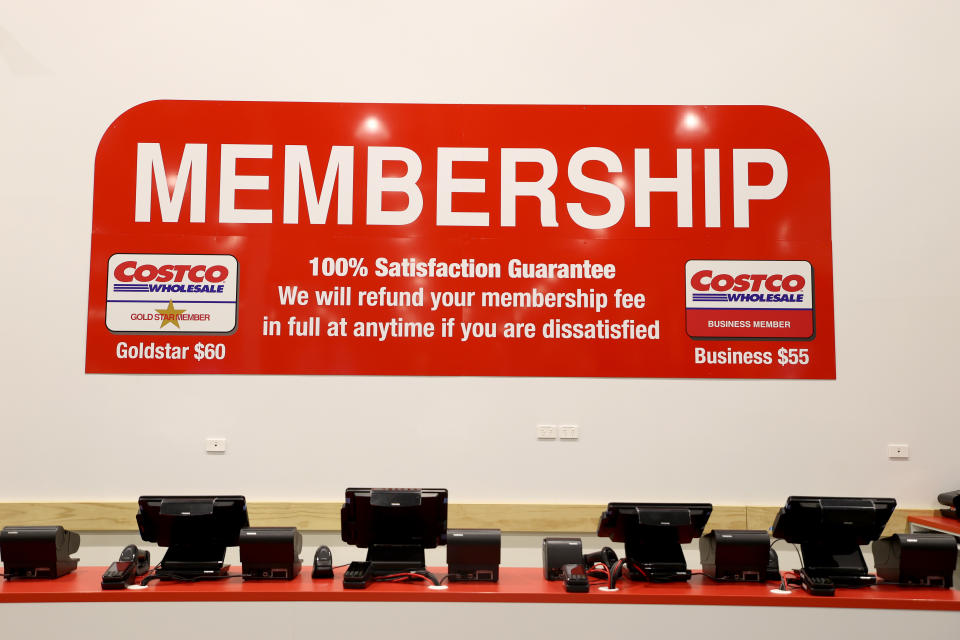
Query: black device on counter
x=951, y=500
x=38, y=552
x=197, y=531
x=473, y=555
x=322, y=563
x=817, y=585
x=916, y=559
x=652, y=534
x=358, y=575
x=575, y=578
x=738, y=555
x=133, y=562
x=270, y=553
x=830, y=531
x=395, y=526
x=558, y=552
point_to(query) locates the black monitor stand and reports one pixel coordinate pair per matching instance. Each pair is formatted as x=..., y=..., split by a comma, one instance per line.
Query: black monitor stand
x=191, y=562
x=840, y=561
x=652, y=533
x=658, y=553
x=386, y=559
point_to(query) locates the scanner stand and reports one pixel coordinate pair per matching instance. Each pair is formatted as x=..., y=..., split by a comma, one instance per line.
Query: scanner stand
x=132, y=563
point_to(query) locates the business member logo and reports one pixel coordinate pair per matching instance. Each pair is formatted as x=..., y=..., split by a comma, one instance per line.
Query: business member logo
x=171, y=293
x=749, y=299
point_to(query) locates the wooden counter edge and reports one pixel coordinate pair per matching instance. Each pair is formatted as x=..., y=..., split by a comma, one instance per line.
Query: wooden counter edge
x=325, y=516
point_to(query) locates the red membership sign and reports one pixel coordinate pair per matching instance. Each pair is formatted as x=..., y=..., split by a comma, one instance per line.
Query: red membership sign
x=428, y=239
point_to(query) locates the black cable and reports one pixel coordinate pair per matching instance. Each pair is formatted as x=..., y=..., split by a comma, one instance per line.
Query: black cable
x=615, y=573
x=617, y=570
x=408, y=575
x=152, y=571
x=593, y=572
x=796, y=548
x=429, y=576
x=783, y=580
x=714, y=578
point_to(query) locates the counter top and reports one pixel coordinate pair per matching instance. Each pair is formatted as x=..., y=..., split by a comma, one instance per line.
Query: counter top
x=515, y=585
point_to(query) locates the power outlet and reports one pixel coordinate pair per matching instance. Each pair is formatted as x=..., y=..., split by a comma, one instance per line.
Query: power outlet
x=546, y=432
x=898, y=451
x=216, y=445
x=569, y=432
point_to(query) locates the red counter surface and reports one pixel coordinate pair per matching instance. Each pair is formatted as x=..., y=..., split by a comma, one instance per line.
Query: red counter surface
x=937, y=523
x=516, y=585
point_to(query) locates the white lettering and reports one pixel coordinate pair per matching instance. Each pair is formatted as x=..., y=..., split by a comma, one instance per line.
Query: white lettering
x=230, y=183
x=682, y=185
x=711, y=187
x=744, y=192
x=510, y=188
x=150, y=160
x=447, y=185
x=377, y=184
x=296, y=166
x=599, y=187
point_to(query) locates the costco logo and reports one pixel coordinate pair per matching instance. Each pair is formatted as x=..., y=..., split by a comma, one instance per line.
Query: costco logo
x=749, y=299
x=171, y=293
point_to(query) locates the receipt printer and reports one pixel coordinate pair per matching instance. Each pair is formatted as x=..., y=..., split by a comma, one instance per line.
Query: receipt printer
x=926, y=559
x=738, y=556
x=558, y=552
x=38, y=552
x=270, y=553
x=473, y=555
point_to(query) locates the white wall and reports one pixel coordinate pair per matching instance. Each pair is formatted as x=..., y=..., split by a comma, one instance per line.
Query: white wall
x=877, y=81
x=463, y=620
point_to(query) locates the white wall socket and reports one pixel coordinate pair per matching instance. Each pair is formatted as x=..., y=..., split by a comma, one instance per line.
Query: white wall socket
x=569, y=432
x=898, y=451
x=546, y=432
x=216, y=445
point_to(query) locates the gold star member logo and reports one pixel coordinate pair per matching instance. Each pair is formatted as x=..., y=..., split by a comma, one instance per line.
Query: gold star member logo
x=170, y=315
